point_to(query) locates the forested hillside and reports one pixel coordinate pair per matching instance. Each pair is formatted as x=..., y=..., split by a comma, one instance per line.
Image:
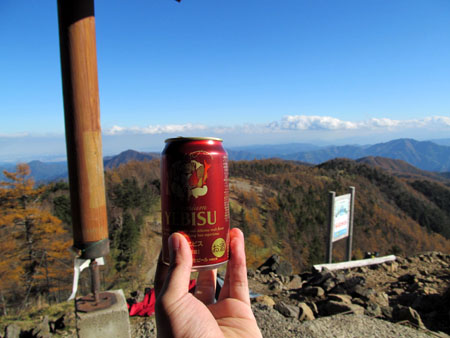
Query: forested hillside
x=281, y=206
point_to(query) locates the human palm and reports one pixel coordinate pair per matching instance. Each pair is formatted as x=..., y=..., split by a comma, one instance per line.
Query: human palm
x=182, y=314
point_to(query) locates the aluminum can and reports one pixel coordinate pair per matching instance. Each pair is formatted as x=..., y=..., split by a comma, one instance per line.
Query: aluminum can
x=195, y=198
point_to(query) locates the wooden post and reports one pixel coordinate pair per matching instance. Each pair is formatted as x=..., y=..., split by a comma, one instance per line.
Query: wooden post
x=329, y=255
x=350, y=225
x=82, y=121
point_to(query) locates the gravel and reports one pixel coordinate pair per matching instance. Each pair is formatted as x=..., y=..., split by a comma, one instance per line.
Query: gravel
x=273, y=325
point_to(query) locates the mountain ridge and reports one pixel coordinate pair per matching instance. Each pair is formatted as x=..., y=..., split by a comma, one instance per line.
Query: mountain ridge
x=424, y=155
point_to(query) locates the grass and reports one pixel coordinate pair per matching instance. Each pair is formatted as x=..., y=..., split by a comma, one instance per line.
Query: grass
x=32, y=317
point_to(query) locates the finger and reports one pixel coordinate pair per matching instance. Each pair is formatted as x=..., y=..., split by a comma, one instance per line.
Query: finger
x=160, y=275
x=236, y=283
x=176, y=284
x=205, y=289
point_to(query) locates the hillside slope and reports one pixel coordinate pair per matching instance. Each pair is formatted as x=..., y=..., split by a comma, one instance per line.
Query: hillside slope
x=283, y=208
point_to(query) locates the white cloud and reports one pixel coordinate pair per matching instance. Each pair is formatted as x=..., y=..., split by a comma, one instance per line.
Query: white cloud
x=157, y=129
x=292, y=123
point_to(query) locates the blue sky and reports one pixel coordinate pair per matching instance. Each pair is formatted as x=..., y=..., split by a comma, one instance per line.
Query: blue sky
x=247, y=71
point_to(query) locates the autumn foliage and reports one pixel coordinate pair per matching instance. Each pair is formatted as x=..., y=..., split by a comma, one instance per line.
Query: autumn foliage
x=33, y=244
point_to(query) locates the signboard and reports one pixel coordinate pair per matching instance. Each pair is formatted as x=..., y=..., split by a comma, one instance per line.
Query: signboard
x=341, y=216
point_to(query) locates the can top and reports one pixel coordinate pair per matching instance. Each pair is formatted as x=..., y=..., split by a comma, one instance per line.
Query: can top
x=184, y=139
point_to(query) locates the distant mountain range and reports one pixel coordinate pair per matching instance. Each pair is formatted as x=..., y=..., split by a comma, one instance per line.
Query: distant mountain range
x=423, y=155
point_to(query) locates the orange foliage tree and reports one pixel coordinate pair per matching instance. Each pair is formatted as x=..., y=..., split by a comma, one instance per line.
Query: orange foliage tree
x=33, y=244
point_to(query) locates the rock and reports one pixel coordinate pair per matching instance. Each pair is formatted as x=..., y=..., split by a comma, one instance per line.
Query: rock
x=42, y=330
x=340, y=277
x=12, y=331
x=351, y=282
x=294, y=283
x=276, y=286
x=57, y=324
x=396, y=292
x=386, y=311
x=362, y=292
x=346, y=299
x=332, y=307
x=284, y=268
x=276, y=265
x=373, y=310
x=407, y=299
x=391, y=266
x=266, y=300
x=359, y=301
x=314, y=308
x=408, y=278
x=287, y=310
x=314, y=291
x=400, y=313
x=305, y=312
x=320, y=277
x=426, y=303
x=329, y=284
x=380, y=298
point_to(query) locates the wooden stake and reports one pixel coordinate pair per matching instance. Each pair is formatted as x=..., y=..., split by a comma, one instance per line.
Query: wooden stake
x=82, y=121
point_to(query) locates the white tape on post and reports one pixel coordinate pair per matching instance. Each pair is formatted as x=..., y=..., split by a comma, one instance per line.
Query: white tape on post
x=80, y=265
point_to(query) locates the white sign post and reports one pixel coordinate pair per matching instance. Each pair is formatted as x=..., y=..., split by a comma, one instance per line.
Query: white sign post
x=340, y=221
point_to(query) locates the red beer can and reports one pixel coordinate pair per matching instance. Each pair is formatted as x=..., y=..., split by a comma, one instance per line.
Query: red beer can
x=195, y=198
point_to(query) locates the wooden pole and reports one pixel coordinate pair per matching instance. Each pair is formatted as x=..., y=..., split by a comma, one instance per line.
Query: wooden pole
x=350, y=225
x=329, y=254
x=82, y=122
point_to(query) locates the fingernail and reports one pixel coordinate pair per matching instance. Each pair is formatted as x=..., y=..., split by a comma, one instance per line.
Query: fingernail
x=174, y=245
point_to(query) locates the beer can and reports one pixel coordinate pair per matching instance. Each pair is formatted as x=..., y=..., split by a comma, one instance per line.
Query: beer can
x=195, y=198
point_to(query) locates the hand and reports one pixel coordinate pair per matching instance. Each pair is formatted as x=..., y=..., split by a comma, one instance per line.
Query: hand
x=182, y=314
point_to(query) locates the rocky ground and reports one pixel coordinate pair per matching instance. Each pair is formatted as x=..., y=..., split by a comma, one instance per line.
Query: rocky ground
x=409, y=297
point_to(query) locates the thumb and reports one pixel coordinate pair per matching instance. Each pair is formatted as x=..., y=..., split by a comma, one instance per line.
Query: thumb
x=176, y=284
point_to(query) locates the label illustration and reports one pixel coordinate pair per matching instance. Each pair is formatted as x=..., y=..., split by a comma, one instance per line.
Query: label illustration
x=190, y=178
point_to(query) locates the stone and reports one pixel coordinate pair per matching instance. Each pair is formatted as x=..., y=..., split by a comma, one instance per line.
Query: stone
x=111, y=322
x=276, y=285
x=400, y=313
x=287, y=310
x=332, y=307
x=362, y=292
x=408, y=278
x=251, y=273
x=380, y=298
x=396, y=292
x=386, y=311
x=320, y=277
x=359, y=301
x=340, y=277
x=313, y=307
x=12, y=331
x=351, y=282
x=391, y=266
x=305, y=312
x=265, y=300
x=373, y=310
x=426, y=303
x=314, y=291
x=329, y=284
x=294, y=283
x=346, y=299
x=42, y=330
x=284, y=268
